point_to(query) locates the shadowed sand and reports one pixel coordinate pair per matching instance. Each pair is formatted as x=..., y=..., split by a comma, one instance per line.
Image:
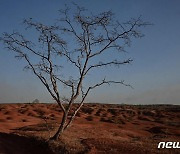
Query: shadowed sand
x=15, y=144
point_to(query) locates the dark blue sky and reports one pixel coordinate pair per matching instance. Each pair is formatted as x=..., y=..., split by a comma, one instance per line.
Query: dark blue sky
x=154, y=74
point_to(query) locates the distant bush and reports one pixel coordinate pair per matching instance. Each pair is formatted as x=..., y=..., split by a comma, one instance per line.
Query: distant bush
x=35, y=101
x=22, y=110
x=131, y=112
x=9, y=118
x=98, y=113
x=103, y=119
x=24, y=120
x=89, y=118
x=114, y=111
x=104, y=114
x=149, y=113
x=87, y=110
x=40, y=112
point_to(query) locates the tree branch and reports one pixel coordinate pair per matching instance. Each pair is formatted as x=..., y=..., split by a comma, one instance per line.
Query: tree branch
x=115, y=62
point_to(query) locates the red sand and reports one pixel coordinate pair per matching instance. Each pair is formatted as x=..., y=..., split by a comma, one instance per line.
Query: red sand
x=97, y=129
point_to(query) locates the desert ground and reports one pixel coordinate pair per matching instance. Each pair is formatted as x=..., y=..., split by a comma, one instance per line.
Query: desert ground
x=98, y=128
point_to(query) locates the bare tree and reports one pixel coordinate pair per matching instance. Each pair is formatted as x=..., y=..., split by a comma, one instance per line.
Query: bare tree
x=92, y=35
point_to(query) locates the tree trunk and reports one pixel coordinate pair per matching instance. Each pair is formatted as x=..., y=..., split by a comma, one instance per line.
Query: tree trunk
x=61, y=128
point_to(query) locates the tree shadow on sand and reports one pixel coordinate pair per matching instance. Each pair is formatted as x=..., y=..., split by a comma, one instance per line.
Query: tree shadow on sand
x=15, y=144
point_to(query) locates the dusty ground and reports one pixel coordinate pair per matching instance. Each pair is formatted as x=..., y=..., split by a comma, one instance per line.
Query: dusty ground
x=98, y=128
